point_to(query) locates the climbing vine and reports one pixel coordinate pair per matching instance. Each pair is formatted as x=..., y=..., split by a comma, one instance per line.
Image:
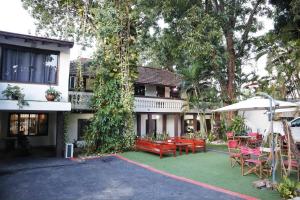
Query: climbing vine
x=111, y=128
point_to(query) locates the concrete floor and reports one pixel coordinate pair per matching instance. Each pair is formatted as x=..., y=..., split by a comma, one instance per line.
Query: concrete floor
x=106, y=178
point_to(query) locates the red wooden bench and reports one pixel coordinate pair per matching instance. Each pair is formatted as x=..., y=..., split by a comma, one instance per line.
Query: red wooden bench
x=155, y=147
x=193, y=144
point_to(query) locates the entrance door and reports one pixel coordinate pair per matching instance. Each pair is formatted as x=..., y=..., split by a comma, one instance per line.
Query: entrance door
x=147, y=127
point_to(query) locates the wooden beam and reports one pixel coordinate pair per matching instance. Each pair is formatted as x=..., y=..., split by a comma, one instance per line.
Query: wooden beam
x=195, y=122
x=164, y=121
x=138, y=125
x=59, y=134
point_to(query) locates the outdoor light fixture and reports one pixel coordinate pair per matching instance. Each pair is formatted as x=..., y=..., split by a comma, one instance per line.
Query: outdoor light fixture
x=175, y=89
x=271, y=112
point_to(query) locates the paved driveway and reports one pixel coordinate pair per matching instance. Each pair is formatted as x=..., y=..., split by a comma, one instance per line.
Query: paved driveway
x=104, y=178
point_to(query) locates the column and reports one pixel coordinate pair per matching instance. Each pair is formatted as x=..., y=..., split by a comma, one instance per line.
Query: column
x=164, y=125
x=150, y=124
x=138, y=124
x=182, y=124
x=176, y=118
x=195, y=122
x=59, y=134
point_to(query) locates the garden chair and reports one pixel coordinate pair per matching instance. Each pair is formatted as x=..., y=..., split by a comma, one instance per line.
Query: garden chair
x=234, y=152
x=289, y=154
x=254, y=160
x=255, y=140
x=230, y=136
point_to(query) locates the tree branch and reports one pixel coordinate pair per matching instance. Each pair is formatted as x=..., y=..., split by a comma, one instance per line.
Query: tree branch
x=247, y=29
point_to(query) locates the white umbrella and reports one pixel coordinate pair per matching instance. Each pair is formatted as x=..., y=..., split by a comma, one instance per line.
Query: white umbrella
x=256, y=103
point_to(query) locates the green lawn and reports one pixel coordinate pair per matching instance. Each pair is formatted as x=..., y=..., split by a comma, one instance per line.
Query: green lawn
x=212, y=168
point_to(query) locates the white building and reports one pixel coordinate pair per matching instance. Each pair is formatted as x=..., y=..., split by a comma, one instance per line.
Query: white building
x=33, y=64
x=157, y=97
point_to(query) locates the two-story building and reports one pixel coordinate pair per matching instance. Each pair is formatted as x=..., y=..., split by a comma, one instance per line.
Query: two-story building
x=158, y=103
x=34, y=64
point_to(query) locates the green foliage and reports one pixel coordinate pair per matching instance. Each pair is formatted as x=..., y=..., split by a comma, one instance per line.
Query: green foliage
x=288, y=188
x=197, y=135
x=238, y=125
x=15, y=93
x=54, y=92
x=111, y=127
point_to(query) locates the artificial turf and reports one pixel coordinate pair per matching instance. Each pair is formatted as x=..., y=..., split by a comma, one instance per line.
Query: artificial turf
x=211, y=167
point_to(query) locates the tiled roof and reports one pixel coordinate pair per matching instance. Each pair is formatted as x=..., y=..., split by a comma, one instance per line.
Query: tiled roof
x=157, y=76
x=146, y=75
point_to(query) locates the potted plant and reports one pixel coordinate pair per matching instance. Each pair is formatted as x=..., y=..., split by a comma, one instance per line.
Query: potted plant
x=52, y=94
x=15, y=93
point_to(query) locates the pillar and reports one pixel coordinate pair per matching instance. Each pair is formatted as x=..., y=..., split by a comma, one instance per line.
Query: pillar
x=59, y=134
x=164, y=125
x=138, y=124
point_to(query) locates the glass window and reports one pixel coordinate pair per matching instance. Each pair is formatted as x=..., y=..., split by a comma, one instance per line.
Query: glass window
x=28, y=124
x=82, y=127
x=139, y=90
x=28, y=65
x=72, y=82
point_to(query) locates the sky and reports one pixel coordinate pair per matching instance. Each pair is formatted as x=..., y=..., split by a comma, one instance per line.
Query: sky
x=14, y=18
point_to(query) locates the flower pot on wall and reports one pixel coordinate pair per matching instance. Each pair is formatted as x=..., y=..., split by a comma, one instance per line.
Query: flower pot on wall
x=50, y=97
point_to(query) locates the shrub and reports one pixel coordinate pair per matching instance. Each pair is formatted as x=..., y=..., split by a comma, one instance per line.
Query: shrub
x=288, y=188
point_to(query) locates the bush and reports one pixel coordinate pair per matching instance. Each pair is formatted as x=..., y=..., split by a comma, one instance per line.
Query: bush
x=288, y=188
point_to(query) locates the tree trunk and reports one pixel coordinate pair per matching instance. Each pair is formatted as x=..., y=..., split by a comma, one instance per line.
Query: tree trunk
x=231, y=67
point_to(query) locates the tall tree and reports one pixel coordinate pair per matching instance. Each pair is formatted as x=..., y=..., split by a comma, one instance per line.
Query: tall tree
x=112, y=26
x=236, y=20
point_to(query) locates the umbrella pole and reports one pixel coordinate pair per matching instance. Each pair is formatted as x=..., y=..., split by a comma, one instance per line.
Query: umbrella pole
x=272, y=134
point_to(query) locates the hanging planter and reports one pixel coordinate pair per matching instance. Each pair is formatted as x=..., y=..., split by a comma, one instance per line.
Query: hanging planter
x=51, y=94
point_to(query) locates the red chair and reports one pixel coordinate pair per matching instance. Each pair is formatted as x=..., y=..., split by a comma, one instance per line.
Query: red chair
x=254, y=159
x=230, y=136
x=234, y=152
x=255, y=140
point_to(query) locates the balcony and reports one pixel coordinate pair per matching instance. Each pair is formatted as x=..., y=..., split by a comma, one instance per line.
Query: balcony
x=148, y=104
x=80, y=100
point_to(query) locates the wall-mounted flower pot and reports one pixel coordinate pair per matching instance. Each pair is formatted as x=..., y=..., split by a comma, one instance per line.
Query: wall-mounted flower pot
x=50, y=97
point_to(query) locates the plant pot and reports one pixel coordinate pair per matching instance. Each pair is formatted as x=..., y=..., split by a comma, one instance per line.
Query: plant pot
x=50, y=97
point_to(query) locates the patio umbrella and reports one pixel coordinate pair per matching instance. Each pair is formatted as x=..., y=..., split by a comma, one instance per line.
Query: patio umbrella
x=259, y=103
x=256, y=103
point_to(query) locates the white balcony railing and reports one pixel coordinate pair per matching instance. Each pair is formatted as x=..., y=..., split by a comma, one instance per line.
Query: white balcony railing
x=80, y=101
x=144, y=104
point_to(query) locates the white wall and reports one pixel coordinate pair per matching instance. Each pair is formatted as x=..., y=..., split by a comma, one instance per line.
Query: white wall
x=73, y=124
x=167, y=92
x=37, y=91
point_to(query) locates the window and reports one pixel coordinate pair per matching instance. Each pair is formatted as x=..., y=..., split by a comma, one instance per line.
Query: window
x=27, y=65
x=160, y=91
x=82, y=126
x=139, y=90
x=28, y=124
x=72, y=82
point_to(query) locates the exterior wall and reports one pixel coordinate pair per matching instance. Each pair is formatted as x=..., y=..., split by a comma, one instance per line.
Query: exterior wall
x=150, y=90
x=167, y=92
x=73, y=124
x=49, y=140
x=37, y=91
